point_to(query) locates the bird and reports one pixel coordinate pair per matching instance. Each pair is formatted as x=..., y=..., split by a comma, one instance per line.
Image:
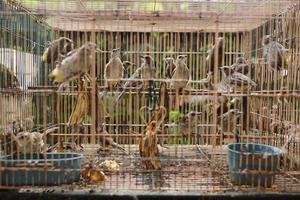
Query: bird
x=181, y=74
x=106, y=142
x=274, y=53
x=235, y=80
x=75, y=64
x=170, y=62
x=180, y=78
x=148, y=70
x=228, y=121
x=188, y=123
x=31, y=142
x=142, y=76
x=210, y=59
x=223, y=104
x=114, y=69
x=60, y=46
x=241, y=66
x=8, y=78
x=126, y=66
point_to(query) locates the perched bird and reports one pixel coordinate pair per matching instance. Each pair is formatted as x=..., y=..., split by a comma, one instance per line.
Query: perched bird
x=181, y=73
x=241, y=66
x=222, y=105
x=236, y=80
x=180, y=78
x=114, y=69
x=77, y=63
x=170, y=62
x=106, y=142
x=7, y=78
x=31, y=142
x=188, y=123
x=58, y=47
x=228, y=122
x=148, y=70
x=274, y=53
x=126, y=66
x=142, y=76
x=210, y=59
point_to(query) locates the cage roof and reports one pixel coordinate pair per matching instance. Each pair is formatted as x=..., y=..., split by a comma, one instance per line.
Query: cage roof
x=157, y=15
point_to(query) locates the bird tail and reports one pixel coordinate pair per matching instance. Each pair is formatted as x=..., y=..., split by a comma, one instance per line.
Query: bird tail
x=50, y=130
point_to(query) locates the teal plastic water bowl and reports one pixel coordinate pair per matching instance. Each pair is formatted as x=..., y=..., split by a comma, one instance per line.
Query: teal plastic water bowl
x=253, y=164
x=40, y=170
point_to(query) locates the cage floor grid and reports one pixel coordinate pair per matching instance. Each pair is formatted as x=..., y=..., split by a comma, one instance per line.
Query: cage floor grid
x=185, y=168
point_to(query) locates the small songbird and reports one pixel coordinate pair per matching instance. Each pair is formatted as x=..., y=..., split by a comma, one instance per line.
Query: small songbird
x=236, y=80
x=58, y=47
x=126, y=66
x=31, y=142
x=275, y=54
x=228, y=121
x=8, y=78
x=210, y=59
x=241, y=66
x=114, y=69
x=181, y=73
x=77, y=63
x=188, y=123
x=148, y=70
x=142, y=76
x=106, y=142
x=170, y=62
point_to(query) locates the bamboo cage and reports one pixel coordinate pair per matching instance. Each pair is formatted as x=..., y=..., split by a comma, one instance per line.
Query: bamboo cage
x=193, y=154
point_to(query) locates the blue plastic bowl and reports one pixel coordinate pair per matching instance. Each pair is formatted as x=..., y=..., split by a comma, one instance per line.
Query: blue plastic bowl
x=253, y=164
x=27, y=170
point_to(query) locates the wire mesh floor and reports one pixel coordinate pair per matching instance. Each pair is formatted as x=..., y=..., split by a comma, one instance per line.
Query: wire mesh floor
x=185, y=168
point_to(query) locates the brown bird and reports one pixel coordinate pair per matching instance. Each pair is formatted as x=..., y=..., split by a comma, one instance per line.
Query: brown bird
x=230, y=121
x=241, y=66
x=181, y=73
x=8, y=78
x=58, y=47
x=170, y=62
x=274, y=53
x=236, y=80
x=77, y=63
x=210, y=59
x=188, y=123
x=106, y=142
x=126, y=66
x=31, y=142
x=148, y=70
x=114, y=69
x=142, y=76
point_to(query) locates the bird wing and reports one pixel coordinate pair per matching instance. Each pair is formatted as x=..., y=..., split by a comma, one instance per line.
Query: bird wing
x=135, y=75
x=240, y=79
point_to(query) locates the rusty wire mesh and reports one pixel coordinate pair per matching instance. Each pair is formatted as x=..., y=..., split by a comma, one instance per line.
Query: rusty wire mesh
x=196, y=155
